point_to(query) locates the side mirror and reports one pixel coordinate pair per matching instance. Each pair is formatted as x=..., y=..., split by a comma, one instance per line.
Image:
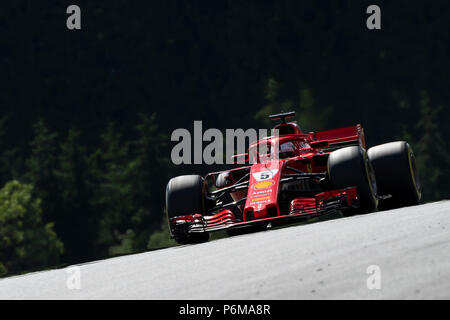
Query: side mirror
x=240, y=158
x=223, y=180
x=319, y=144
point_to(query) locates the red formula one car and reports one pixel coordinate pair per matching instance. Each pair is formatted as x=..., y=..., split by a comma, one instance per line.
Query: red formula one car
x=296, y=176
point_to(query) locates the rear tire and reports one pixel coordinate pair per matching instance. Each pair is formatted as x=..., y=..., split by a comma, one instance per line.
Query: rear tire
x=396, y=173
x=350, y=167
x=186, y=195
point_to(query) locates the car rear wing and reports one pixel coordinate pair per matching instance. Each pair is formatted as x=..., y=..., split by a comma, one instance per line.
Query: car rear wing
x=338, y=138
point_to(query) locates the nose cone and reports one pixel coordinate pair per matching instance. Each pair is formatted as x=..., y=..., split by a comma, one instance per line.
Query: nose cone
x=262, y=192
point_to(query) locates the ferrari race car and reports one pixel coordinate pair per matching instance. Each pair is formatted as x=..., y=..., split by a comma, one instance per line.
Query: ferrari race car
x=293, y=175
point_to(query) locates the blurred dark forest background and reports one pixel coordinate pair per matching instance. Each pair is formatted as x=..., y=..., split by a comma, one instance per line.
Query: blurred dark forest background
x=86, y=116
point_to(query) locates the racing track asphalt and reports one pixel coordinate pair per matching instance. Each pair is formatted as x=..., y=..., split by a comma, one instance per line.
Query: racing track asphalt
x=324, y=260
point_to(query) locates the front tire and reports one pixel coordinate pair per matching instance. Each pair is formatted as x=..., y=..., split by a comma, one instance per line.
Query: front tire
x=396, y=173
x=186, y=195
x=350, y=167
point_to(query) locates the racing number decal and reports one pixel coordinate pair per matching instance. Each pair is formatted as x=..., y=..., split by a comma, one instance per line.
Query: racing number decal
x=264, y=175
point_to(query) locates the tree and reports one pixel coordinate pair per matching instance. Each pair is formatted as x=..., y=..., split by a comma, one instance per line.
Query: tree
x=130, y=176
x=26, y=242
x=4, y=172
x=40, y=169
x=430, y=150
x=10, y=160
x=148, y=171
x=76, y=219
x=112, y=195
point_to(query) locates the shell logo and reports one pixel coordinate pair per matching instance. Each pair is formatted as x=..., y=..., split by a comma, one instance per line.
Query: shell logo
x=263, y=184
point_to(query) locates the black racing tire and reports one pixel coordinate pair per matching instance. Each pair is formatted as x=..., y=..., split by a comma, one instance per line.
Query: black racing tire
x=350, y=167
x=186, y=195
x=396, y=173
